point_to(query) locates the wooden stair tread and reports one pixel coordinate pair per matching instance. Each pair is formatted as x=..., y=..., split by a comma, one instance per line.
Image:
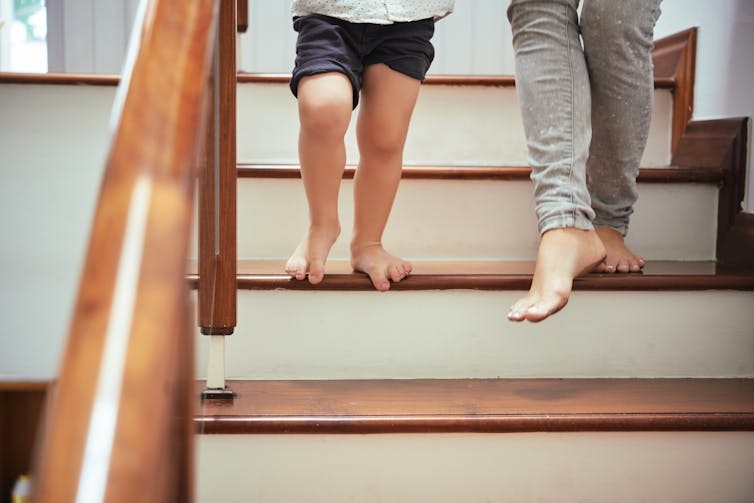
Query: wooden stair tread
x=479, y=405
x=670, y=174
x=496, y=275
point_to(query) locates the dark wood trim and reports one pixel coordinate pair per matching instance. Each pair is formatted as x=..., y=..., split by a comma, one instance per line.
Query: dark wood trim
x=23, y=386
x=268, y=78
x=675, y=59
x=737, y=248
x=723, y=144
x=217, y=193
x=431, y=80
x=21, y=409
x=593, y=282
x=481, y=406
x=477, y=424
x=127, y=344
x=242, y=7
x=59, y=79
x=672, y=174
x=263, y=78
x=657, y=276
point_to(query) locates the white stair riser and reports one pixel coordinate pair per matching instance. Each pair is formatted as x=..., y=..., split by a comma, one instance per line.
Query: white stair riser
x=471, y=220
x=452, y=468
x=53, y=146
x=464, y=334
x=452, y=125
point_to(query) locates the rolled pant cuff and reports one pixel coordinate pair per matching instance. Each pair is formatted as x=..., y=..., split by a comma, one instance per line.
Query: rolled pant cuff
x=577, y=221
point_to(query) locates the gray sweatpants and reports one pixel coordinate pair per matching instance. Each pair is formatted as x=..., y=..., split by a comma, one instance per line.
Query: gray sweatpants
x=586, y=109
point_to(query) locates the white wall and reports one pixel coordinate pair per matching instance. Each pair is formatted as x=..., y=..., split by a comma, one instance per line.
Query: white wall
x=50, y=172
x=724, y=61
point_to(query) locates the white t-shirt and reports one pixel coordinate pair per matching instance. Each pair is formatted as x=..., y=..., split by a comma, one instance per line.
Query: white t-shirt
x=374, y=11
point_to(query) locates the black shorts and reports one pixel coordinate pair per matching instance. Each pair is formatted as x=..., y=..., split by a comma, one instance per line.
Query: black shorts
x=327, y=44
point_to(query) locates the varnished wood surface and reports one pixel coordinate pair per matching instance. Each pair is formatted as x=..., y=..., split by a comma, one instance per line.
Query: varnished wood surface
x=23, y=386
x=673, y=174
x=674, y=58
x=217, y=191
x=271, y=78
x=431, y=80
x=21, y=405
x=122, y=368
x=737, y=250
x=480, y=405
x=59, y=79
x=243, y=15
x=723, y=144
x=496, y=275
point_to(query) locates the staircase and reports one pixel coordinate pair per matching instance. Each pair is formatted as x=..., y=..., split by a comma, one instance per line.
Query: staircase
x=642, y=389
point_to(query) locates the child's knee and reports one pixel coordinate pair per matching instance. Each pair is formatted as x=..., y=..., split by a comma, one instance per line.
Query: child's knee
x=325, y=114
x=381, y=144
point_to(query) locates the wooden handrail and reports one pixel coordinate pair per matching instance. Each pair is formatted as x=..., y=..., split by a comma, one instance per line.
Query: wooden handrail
x=117, y=426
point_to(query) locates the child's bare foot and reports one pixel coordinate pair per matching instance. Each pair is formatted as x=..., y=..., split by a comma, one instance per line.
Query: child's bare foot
x=372, y=259
x=563, y=255
x=618, y=258
x=311, y=254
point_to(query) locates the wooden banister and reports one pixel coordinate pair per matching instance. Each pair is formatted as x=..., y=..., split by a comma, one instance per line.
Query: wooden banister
x=116, y=426
x=217, y=207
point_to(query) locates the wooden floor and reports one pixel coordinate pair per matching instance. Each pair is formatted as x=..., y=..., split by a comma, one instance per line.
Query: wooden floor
x=480, y=405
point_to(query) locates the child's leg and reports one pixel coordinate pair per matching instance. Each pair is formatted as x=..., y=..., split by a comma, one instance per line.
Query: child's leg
x=325, y=102
x=387, y=102
x=618, y=39
x=553, y=87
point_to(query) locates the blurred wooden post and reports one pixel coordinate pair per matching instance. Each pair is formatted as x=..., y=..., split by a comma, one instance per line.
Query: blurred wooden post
x=217, y=205
x=243, y=15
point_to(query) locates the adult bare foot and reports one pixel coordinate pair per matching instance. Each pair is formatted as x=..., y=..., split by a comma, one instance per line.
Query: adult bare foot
x=618, y=258
x=382, y=267
x=311, y=254
x=563, y=255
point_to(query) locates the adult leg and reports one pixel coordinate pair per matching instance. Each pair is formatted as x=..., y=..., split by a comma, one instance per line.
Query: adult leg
x=618, y=38
x=387, y=102
x=553, y=88
x=325, y=103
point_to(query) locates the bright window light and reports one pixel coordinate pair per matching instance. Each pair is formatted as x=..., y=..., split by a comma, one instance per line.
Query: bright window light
x=23, y=36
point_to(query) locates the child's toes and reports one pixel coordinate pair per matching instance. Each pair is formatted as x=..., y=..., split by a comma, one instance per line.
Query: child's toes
x=316, y=271
x=395, y=272
x=407, y=268
x=379, y=279
x=296, y=268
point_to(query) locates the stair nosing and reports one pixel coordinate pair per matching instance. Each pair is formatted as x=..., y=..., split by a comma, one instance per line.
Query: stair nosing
x=272, y=277
x=671, y=174
x=52, y=78
x=432, y=80
x=504, y=406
